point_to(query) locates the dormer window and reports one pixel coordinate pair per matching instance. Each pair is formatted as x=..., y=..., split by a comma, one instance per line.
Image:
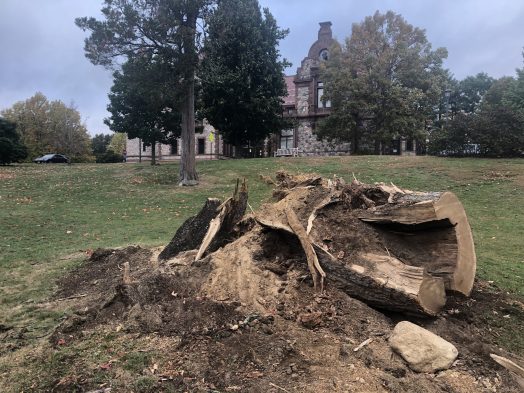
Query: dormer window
x=324, y=55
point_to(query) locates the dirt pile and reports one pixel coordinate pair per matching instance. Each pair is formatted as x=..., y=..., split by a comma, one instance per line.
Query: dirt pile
x=247, y=318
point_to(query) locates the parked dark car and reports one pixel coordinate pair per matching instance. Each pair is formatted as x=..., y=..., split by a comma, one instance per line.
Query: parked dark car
x=52, y=158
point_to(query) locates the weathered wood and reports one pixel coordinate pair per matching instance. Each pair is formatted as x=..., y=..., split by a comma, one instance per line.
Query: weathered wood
x=382, y=281
x=326, y=202
x=314, y=267
x=230, y=213
x=434, y=221
x=512, y=366
x=191, y=233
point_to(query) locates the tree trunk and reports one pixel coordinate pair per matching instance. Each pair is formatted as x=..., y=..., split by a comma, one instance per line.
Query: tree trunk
x=221, y=227
x=387, y=283
x=153, y=153
x=192, y=232
x=188, y=174
x=431, y=230
x=378, y=280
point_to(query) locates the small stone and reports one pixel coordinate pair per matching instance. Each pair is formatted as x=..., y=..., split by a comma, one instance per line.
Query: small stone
x=234, y=327
x=421, y=349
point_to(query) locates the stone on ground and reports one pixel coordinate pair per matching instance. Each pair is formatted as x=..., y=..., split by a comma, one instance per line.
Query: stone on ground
x=421, y=349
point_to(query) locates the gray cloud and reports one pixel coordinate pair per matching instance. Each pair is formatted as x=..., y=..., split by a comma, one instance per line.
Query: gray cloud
x=42, y=50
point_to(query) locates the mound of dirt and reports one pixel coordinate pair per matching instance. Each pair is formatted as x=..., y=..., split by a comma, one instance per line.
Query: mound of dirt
x=247, y=318
x=241, y=321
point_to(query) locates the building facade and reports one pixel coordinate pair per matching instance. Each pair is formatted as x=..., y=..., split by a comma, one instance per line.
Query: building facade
x=208, y=146
x=303, y=106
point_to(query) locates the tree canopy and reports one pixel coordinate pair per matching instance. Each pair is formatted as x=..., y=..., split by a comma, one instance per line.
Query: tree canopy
x=49, y=127
x=118, y=142
x=470, y=91
x=99, y=143
x=384, y=83
x=141, y=102
x=164, y=29
x=242, y=73
x=11, y=149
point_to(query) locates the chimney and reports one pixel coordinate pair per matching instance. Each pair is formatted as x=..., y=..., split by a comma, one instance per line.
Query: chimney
x=325, y=31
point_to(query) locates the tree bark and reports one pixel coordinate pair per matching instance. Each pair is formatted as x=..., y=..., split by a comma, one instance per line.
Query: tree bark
x=192, y=232
x=188, y=174
x=153, y=153
x=221, y=227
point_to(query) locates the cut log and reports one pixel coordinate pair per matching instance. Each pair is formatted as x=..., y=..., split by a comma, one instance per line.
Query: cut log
x=433, y=232
x=230, y=213
x=191, y=233
x=379, y=280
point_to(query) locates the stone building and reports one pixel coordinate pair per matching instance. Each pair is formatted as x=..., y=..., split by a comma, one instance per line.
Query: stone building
x=304, y=106
x=208, y=146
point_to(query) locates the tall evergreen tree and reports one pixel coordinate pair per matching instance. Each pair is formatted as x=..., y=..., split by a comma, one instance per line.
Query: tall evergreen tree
x=242, y=74
x=162, y=28
x=141, y=101
x=384, y=83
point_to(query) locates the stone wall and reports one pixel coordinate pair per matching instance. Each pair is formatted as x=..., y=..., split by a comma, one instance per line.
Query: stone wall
x=309, y=145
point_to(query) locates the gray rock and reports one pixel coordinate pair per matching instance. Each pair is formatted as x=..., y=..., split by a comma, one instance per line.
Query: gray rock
x=421, y=349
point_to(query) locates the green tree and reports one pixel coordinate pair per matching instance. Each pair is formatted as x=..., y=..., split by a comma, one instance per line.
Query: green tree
x=453, y=136
x=384, y=83
x=139, y=102
x=470, y=92
x=499, y=127
x=99, y=143
x=514, y=97
x=162, y=28
x=118, y=142
x=242, y=74
x=50, y=126
x=11, y=149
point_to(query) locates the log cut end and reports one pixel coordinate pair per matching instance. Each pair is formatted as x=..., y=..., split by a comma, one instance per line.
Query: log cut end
x=429, y=230
x=449, y=207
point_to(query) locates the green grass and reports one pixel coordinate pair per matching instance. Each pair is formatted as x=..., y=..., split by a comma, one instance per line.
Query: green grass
x=52, y=214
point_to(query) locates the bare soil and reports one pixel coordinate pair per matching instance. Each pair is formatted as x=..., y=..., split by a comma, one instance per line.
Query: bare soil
x=247, y=319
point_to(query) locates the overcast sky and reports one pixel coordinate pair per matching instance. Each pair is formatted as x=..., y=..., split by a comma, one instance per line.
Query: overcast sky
x=41, y=49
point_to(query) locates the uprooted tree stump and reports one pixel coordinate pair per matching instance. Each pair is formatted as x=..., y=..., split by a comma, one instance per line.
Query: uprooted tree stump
x=391, y=248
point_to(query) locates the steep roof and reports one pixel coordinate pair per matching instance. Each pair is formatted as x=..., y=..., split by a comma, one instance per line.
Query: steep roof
x=290, y=84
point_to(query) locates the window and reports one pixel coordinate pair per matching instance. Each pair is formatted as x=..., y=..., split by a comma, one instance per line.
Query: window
x=324, y=55
x=144, y=147
x=320, y=93
x=409, y=145
x=201, y=146
x=174, y=147
x=287, y=140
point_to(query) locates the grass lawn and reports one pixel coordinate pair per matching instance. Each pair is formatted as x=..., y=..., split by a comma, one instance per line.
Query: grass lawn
x=52, y=214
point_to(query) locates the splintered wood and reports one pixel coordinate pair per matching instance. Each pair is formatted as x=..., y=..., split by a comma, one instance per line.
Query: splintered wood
x=391, y=248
